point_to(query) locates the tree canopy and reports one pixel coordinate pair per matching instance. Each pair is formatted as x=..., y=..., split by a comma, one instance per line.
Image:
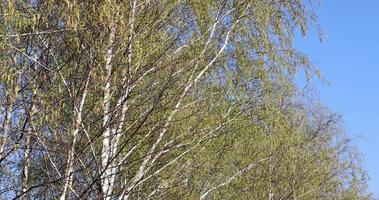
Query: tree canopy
x=165, y=99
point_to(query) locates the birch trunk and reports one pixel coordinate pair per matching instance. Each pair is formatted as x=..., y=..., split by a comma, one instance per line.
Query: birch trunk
x=111, y=136
x=106, y=175
x=26, y=165
x=68, y=176
x=5, y=131
x=6, y=124
x=191, y=82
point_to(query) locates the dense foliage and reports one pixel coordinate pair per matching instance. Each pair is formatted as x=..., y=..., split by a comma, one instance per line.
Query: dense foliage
x=165, y=99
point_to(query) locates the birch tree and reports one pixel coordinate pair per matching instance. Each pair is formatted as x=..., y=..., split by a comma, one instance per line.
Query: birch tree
x=144, y=99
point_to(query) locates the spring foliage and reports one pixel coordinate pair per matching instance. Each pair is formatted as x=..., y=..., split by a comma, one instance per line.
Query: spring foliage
x=165, y=99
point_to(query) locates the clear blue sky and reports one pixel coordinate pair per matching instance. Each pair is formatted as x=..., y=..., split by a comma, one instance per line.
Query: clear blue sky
x=349, y=59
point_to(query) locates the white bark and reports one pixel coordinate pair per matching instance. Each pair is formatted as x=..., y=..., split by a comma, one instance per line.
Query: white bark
x=232, y=178
x=106, y=152
x=68, y=176
x=5, y=130
x=111, y=136
x=11, y=96
x=26, y=165
x=192, y=81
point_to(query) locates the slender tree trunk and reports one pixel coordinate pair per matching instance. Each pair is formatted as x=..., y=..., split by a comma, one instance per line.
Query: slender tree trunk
x=5, y=131
x=111, y=136
x=7, y=123
x=106, y=152
x=26, y=165
x=68, y=175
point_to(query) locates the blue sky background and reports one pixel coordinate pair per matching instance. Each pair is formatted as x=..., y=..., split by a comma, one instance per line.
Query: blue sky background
x=349, y=60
